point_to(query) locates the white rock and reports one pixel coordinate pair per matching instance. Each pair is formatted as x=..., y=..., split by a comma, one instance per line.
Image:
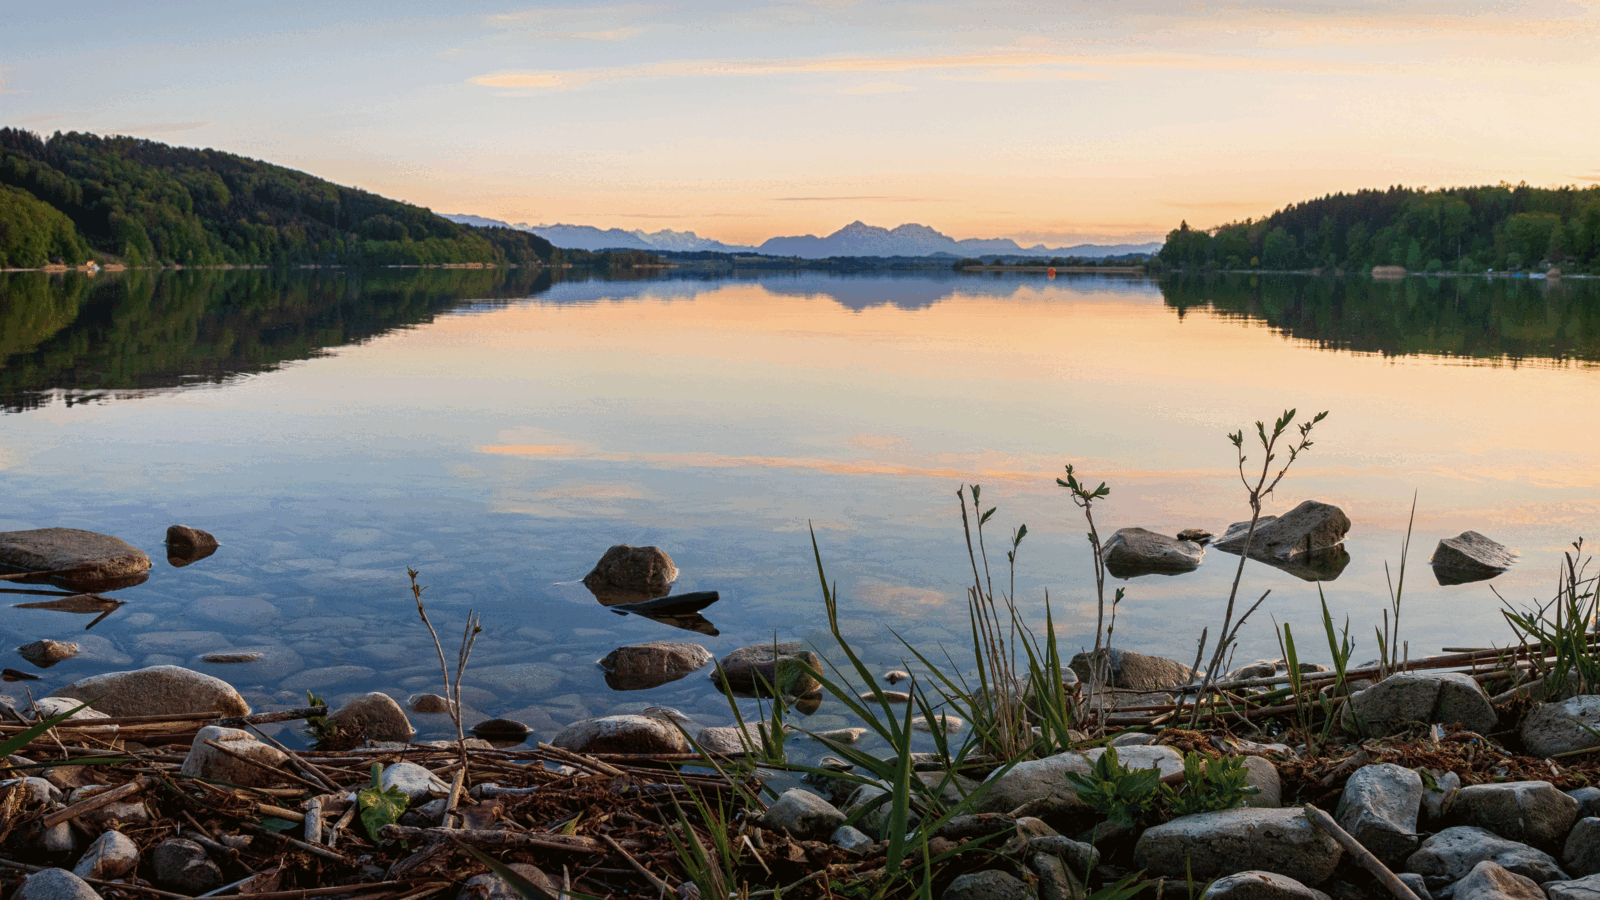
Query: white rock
x=205, y=761
x=413, y=780
x=132, y=811
x=112, y=855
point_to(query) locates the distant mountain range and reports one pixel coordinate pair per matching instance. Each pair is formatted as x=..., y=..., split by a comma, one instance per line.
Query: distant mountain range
x=855, y=239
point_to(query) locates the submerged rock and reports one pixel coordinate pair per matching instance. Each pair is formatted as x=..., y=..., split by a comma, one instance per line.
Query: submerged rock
x=1309, y=527
x=623, y=734
x=79, y=560
x=1132, y=552
x=1469, y=556
x=635, y=570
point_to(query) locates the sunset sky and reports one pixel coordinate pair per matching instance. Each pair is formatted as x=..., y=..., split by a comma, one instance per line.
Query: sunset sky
x=1102, y=120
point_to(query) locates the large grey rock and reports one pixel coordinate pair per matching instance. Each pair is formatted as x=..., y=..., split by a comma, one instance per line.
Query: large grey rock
x=1262, y=775
x=1307, y=528
x=375, y=716
x=1529, y=812
x=1135, y=671
x=1046, y=779
x=1237, y=840
x=1577, y=889
x=206, y=761
x=1469, y=556
x=1581, y=854
x=54, y=884
x=47, y=653
x=97, y=562
x=1257, y=885
x=991, y=884
x=632, y=570
x=639, y=666
x=182, y=866
x=417, y=783
x=1400, y=701
x=803, y=814
x=1488, y=881
x=748, y=668
x=1552, y=728
x=490, y=886
x=112, y=855
x=1448, y=856
x=1135, y=551
x=157, y=691
x=1379, y=808
x=622, y=734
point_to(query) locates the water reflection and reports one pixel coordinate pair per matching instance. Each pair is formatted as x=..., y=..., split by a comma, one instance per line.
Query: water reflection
x=136, y=332
x=1475, y=318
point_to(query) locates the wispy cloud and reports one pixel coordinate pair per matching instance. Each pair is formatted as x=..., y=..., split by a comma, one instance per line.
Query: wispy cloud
x=1000, y=63
x=157, y=128
x=879, y=198
x=602, y=23
x=34, y=120
x=877, y=87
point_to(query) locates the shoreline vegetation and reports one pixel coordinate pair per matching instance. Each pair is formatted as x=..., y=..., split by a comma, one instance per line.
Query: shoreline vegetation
x=1104, y=777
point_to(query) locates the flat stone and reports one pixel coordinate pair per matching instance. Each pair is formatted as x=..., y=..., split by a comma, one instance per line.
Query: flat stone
x=1581, y=854
x=1576, y=889
x=47, y=653
x=1488, y=881
x=1469, y=556
x=1401, y=701
x=1238, y=840
x=54, y=884
x=803, y=815
x=1448, y=856
x=731, y=738
x=375, y=717
x=648, y=665
x=112, y=855
x=623, y=734
x=1131, y=552
x=1379, y=808
x=1552, y=728
x=1259, y=885
x=1307, y=528
x=205, y=761
x=416, y=782
x=98, y=562
x=1529, y=812
x=1135, y=671
x=157, y=691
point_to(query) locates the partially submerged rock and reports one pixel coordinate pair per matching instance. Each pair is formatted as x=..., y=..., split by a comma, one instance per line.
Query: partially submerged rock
x=502, y=731
x=787, y=668
x=75, y=560
x=157, y=691
x=1135, y=551
x=186, y=545
x=623, y=734
x=1469, y=556
x=632, y=570
x=375, y=717
x=648, y=665
x=1309, y=527
x=47, y=653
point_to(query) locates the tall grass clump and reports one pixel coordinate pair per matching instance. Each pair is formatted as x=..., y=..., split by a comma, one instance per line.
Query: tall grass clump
x=1566, y=628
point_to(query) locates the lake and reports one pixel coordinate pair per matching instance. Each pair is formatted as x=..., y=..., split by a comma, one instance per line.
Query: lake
x=498, y=430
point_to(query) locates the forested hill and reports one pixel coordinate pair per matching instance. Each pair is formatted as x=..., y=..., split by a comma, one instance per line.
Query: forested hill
x=1504, y=227
x=148, y=203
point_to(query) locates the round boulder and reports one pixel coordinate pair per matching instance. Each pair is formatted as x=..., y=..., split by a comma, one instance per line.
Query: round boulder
x=374, y=716
x=55, y=884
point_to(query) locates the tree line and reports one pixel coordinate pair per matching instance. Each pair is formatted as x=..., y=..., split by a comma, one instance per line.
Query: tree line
x=1469, y=229
x=145, y=203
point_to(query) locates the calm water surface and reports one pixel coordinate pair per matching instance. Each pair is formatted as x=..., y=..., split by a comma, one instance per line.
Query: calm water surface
x=497, y=431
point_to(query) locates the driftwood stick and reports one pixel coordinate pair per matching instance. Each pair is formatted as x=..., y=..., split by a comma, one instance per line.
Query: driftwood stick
x=282, y=715
x=426, y=852
x=314, y=819
x=649, y=876
x=1369, y=862
x=313, y=849
x=306, y=767
x=580, y=760
x=104, y=798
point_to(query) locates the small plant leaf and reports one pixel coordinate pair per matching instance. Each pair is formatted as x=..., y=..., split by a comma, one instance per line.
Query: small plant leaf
x=379, y=806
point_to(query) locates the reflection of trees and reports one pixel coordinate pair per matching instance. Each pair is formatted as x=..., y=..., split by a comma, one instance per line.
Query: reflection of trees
x=146, y=330
x=1517, y=319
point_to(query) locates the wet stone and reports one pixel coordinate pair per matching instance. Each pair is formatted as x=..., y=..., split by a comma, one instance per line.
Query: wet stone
x=157, y=691
x=85, y=560
x=47, y=653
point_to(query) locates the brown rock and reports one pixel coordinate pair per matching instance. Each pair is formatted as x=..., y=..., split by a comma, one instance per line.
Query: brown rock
x=45, y=654
x=157, y=691
x=632, y=570
x=97, y=562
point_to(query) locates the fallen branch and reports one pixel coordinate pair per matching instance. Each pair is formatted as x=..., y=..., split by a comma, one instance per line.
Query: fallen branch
x=1369, y=862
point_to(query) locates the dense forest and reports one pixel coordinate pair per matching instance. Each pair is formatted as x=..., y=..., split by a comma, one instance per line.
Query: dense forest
x=145, y=203
x=1475, y=229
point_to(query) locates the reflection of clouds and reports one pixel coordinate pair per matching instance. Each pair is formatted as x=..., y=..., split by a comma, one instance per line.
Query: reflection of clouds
x=875, y=441
x=899, y=597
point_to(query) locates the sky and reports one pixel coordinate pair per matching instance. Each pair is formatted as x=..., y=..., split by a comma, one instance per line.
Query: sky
x=1054, y=122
